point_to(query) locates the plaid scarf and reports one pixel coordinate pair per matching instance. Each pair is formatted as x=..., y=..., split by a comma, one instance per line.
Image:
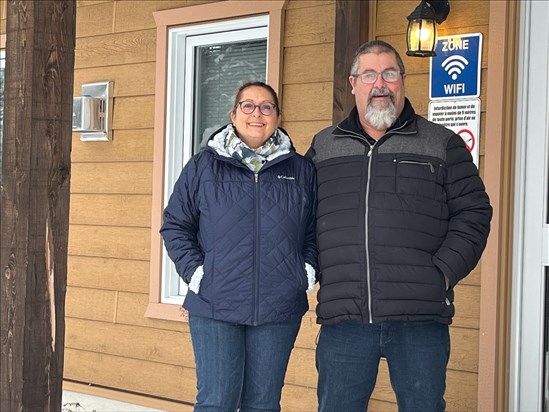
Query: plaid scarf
x=228, y=144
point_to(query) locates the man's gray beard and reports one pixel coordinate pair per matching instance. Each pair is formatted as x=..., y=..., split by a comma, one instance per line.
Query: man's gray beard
x=381, y=119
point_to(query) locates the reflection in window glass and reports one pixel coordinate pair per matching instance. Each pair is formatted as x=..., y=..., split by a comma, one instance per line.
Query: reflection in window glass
x=220, y=70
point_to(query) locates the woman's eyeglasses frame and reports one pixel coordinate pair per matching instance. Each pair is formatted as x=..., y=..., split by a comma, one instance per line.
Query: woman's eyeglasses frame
x=265, y=108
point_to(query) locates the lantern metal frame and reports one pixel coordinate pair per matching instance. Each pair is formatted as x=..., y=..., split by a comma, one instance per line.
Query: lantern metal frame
x=422, y=31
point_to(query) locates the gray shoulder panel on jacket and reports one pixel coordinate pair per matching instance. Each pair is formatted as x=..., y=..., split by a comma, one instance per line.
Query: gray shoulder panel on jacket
x=431, y=140
x=327, y=146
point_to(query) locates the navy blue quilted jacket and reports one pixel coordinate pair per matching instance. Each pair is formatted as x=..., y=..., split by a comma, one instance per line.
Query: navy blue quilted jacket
x=251, y=232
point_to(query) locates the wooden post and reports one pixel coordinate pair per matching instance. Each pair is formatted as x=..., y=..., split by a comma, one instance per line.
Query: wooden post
x=35, y=202
x=351, y=30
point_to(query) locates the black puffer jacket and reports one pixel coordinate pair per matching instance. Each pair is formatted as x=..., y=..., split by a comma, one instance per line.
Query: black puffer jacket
x=394, y=217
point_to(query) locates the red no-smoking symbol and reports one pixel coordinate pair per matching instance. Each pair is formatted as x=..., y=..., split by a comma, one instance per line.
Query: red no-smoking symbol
x=468, y=138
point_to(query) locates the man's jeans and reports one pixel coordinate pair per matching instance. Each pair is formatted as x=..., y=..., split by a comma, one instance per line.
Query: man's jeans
x=347, y=359
x=239, y=365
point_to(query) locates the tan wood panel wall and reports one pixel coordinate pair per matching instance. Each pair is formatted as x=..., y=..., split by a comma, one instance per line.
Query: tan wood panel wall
x=307, y=81
x=109, y=341
x=390, y=25
x=3, y=15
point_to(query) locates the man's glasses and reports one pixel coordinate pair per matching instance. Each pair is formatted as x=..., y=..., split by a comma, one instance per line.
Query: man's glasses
x=370, y=76
x=265, y=108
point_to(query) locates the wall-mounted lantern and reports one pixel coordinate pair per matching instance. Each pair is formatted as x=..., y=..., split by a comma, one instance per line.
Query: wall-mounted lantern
x=421, y=36
x=92, y=112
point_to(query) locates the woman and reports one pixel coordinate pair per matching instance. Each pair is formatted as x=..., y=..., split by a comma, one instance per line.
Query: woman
x=240, y=228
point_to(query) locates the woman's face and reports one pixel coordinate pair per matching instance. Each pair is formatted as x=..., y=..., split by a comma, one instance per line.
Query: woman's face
x=255, y=128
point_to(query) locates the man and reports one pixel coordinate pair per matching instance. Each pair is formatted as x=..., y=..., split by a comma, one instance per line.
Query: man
x=403, y=216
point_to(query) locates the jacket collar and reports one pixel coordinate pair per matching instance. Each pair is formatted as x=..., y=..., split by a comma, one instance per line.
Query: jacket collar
x=213, y=135
x=351, y=124
x=217, y=155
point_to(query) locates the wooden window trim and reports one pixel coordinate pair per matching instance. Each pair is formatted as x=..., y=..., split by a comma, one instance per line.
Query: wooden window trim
x=495, y=285
x=179, y=17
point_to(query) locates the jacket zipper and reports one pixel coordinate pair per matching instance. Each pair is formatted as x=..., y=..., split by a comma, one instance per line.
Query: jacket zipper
x=367, y=248
x=257, y=220
x=431, y=167
x=255, y=315
x=368, y=274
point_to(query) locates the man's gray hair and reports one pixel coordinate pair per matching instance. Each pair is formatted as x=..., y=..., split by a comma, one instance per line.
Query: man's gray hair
x=377, y=47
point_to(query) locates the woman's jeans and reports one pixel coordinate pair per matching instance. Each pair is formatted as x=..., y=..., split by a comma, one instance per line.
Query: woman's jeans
x=347, y=359
x=240, y=366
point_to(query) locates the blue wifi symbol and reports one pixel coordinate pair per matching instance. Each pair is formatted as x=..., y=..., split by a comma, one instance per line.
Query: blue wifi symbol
x=454, y=65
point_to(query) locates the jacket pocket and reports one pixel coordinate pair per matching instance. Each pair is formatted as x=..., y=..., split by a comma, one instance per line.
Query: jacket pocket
x=198, y=306
x=304, y=283
x=418, y=177
x=444, y=292
x=207, y=282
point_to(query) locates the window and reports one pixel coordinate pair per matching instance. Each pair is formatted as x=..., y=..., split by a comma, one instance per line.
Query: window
x=207, y=63
x=204, y=53
x=222, y=63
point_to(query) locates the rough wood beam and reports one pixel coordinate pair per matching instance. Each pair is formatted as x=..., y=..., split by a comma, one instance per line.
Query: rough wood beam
x=351, y=30
x=35, y=202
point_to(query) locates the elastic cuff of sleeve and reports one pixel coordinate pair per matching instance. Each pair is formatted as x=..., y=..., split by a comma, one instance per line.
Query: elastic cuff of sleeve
x=311, y=277
x=196, y=278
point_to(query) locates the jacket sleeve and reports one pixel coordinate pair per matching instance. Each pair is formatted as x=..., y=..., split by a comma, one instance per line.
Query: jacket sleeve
x=180, y=223
x=310, y=249
x=310, y=154
x=469, y=213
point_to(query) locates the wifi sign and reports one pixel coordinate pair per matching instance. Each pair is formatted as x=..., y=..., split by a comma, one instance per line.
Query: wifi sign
x=454, y=65
x=455, y=70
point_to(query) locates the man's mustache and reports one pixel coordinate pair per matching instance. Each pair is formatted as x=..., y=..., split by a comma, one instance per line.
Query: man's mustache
x=383, y=91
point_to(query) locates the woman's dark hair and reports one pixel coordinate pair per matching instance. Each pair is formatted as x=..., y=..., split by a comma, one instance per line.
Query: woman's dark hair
x=257, y=84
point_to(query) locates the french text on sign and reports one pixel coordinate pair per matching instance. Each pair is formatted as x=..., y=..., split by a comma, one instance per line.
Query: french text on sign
x=462, y=116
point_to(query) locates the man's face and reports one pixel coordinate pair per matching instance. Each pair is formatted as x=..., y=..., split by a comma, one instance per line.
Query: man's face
x=380, y=103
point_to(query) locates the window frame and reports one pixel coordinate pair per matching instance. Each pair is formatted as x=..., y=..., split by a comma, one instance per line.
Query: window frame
x=180, y=100
x=165, y=20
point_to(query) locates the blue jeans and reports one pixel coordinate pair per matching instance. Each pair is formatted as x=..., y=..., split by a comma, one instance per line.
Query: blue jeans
x=347, y=359
x=240, y=366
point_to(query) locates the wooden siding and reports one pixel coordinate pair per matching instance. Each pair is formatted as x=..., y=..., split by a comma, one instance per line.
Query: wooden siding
x=462, y=377
x=307, y=69
x=109, y=341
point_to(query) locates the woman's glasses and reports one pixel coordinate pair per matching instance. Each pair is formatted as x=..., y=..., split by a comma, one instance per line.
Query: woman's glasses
x=265, y=108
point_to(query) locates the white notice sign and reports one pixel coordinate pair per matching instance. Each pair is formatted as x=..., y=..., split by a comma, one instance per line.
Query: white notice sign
x=462, y=117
